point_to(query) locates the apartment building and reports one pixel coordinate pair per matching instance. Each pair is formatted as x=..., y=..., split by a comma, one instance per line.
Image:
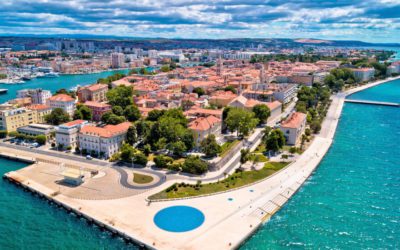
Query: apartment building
x=67, y=133
x=38, y=96
x=11, y=119
x=293, y=127
x=95, y=93
x=63, y=101
x=41, y=111
x=364, y=74
x=205, y=126
x=98, y=109
x=104, y=141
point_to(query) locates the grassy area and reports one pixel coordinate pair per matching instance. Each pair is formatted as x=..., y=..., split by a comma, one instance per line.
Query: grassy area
x=142, y=178
x=233, y=181
x=227, y=146
x=257, y=157
x=260, y=149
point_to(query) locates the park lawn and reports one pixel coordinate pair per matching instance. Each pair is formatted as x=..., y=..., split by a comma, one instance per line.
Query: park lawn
x=227, y=146
x=260, y=149
x=142, y=178
x=257, y=157
x=180, y=190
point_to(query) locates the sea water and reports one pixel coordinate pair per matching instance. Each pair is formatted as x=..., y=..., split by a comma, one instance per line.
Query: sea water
x=352, y=201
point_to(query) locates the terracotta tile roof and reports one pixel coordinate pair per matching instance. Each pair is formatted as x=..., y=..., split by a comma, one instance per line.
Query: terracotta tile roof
x=62, y=98
x=204, y=123
x=273, y=105
x=97, y=104
x=73, y=123
x=96, y=87
x=196, y=110
x=107, y=131
x=294, y=121
x=38, y=107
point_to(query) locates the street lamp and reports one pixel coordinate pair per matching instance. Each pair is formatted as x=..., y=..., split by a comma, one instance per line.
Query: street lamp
x=132, y=161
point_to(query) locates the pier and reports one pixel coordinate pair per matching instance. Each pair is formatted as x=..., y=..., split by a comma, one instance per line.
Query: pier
x=392, y=104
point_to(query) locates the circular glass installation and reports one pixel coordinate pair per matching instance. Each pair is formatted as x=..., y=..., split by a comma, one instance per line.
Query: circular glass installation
x=179, y=219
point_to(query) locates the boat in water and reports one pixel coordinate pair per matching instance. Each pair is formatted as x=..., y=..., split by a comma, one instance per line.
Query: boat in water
x=3, y=91
x=51, y=74
x=11, y=81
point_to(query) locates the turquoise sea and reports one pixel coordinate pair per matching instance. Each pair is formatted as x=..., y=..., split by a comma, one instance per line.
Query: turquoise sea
x=28, y=222
x=353, y=199
x=56, y=83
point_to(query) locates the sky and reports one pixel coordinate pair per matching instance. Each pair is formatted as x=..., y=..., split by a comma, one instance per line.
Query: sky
x=364, y=20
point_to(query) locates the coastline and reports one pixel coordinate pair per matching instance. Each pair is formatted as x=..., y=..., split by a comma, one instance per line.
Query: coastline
x=237, y=223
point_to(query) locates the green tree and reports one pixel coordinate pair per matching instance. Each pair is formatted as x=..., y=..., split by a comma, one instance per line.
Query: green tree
x=120, y=96
x=132, y=113
x=261, y=112
x=140, y=158
x=315, y=126
x=241, y=120
x=131, y=135
x=244, y=155
x=199, y=91
x=77, y=115
x=118, y=110
x=210, y=147
x=165, y=68
x=57, y=117
x=231, y=89
x=127, y=152
x=194, y=165
x=162, y=161
x=86, y=112
x=275, y=140
x=41, y=139
x=154, y=115
x=114, y=119
x=178, y=148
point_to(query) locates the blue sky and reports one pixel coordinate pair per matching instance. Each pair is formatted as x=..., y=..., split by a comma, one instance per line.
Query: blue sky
x=366, y=20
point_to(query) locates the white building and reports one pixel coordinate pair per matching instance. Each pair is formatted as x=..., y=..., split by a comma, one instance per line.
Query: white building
x=104, y=141
x=66, y=102
x=117, y=60
x=205, y=126
x=284, y=92
x=364, y=74
x=293, y=127
x=67, y=133
x=38, y=96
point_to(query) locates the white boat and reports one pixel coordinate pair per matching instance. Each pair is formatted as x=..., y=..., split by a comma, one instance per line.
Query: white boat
x=51, y=74
x=11, y=81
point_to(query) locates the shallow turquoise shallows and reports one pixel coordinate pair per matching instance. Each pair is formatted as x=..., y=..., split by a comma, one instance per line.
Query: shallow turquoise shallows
x=353, y=199
x=56, y=83
x=179, y=219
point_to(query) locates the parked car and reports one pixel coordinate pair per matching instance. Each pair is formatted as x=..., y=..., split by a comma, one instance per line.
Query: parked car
x=88, y=157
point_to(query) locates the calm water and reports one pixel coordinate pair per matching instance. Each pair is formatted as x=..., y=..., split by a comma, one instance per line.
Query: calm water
x=353, y=199
x=28, y=222
x=389, y=92
x=56, y=83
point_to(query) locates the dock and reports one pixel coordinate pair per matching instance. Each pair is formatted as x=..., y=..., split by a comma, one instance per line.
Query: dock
x=392, y=104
